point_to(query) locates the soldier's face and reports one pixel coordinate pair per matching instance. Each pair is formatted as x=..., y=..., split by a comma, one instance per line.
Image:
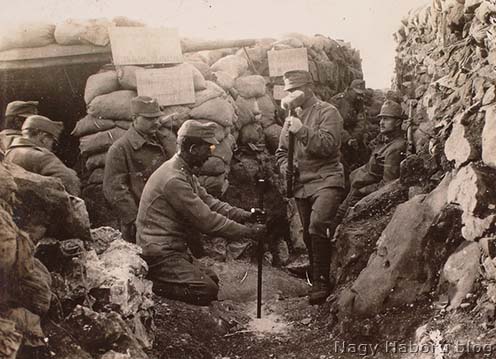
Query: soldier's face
x=147, y=125
x=389, y=124
x=201, y=153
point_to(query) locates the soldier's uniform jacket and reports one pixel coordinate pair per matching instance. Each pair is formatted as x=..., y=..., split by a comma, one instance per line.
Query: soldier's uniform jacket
x=6, y=138
x=317, y=149
x=129, y=163
x=174, y=208
x=44, y=162
x=383, y=165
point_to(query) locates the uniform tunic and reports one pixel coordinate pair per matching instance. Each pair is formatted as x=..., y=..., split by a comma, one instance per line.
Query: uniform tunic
x=40, y=160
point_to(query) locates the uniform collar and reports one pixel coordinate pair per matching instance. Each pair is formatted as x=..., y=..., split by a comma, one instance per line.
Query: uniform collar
x=182, y=165
x=136, y=138
x=310, y=102
x=25, y=142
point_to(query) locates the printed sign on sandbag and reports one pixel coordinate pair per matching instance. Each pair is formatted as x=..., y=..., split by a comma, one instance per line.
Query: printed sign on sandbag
x=170, y=86
x=281, y=61
x=144, y=46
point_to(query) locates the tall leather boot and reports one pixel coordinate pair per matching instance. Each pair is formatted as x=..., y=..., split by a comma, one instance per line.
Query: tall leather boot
x=321, y=286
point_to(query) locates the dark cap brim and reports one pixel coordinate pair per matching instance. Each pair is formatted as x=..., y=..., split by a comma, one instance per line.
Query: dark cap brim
x=211, y=140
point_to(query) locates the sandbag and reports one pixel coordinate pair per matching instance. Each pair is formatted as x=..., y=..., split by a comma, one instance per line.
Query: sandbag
x=168, y=140
x=212, y=91
x=213, y=167
x=33, y=290
x=291, y=42
x=96, y=160
x=96, y=176
x=126, y=75
x=251, y=133
x=257, y=54
x=203, y=68
x=181, y=114
x=89, y=125
x=212, y=56
x=224, y=150
x=248, y=109
x=217, y=110
x=124, y=21
x=232, y=64
x=267, y=109
x=250, y=86
x=92, y=31
x=100, y=84
x=198, y=79
x=100, y=141
x=272, y=134
x=124, y=124
x=224, y=80
x=31, y=34
x=115, y=105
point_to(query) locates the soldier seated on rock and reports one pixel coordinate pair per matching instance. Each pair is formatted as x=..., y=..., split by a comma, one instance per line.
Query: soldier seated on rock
x=384, y=163
x=174, y=209
x=33, y=152
x=15, y=115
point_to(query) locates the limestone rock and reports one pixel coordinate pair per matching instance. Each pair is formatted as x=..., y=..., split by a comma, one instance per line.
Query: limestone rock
x=44, y=208
x=473, y=189
x=457, y=147
x=398, y=273
x=475, y=227
x=460, y=272
x=489, y=137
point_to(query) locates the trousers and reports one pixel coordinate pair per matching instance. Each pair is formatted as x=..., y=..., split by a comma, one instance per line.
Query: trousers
x=179, y=276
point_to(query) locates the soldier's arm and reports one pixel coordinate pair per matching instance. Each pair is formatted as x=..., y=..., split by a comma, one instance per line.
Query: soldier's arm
x=392, y=161
x=116, y=185
x=282, y=149
x=236, y=214
x=324, y=140
x=50, y=165
x=198, y=213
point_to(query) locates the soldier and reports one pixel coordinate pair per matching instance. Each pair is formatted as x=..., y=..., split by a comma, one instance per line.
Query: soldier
x=320, y=183
x=33, y=152
x=131, y=160
x=175, y=209
x=384, y=163
x=15, y=115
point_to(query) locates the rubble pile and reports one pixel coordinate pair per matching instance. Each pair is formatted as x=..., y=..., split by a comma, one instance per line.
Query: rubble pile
x=58, y=275
x=445, y=72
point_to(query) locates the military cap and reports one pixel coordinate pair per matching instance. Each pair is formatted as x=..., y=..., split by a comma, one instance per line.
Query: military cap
x=42, y=123
x=358, y=86
x=145, y=106
x=296, y=78
x=391, y=109
x=22, y=108
x=205, y=131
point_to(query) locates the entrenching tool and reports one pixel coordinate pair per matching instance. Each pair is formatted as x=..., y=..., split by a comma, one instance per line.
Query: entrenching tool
x=288, y=103
x=260, y=217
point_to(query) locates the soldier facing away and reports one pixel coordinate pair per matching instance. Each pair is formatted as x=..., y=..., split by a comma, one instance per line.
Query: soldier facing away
x=33, y=152
x=15, y=115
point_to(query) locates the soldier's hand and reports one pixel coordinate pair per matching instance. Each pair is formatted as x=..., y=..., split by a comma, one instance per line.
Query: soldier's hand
x=295, y=124
x=353, y=143
x=257, y=231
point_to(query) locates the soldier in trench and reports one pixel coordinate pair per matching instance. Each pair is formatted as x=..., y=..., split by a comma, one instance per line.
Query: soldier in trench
x=174, y=210
x=384, y=163
x=15, y=115
x=33, y=151
x=131, y=160
x=319, y=182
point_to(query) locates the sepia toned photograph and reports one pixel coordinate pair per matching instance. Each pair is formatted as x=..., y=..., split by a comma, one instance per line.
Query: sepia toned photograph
x=214, y=179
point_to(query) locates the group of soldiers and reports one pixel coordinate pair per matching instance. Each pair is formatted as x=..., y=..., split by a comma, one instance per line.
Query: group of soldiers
x=163, y=208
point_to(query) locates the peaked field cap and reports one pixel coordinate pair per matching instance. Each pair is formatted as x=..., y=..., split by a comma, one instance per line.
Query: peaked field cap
x=145, y=106
x=205, y=131
x=358, y=85
x=42, y=123
x=296, y=78
x=391, y=109
x=22, y=108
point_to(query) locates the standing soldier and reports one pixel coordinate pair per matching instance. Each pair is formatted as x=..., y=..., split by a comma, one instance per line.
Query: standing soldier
x=319, y=182
x=131, y=160
x=33, y=152
x=15, y=115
